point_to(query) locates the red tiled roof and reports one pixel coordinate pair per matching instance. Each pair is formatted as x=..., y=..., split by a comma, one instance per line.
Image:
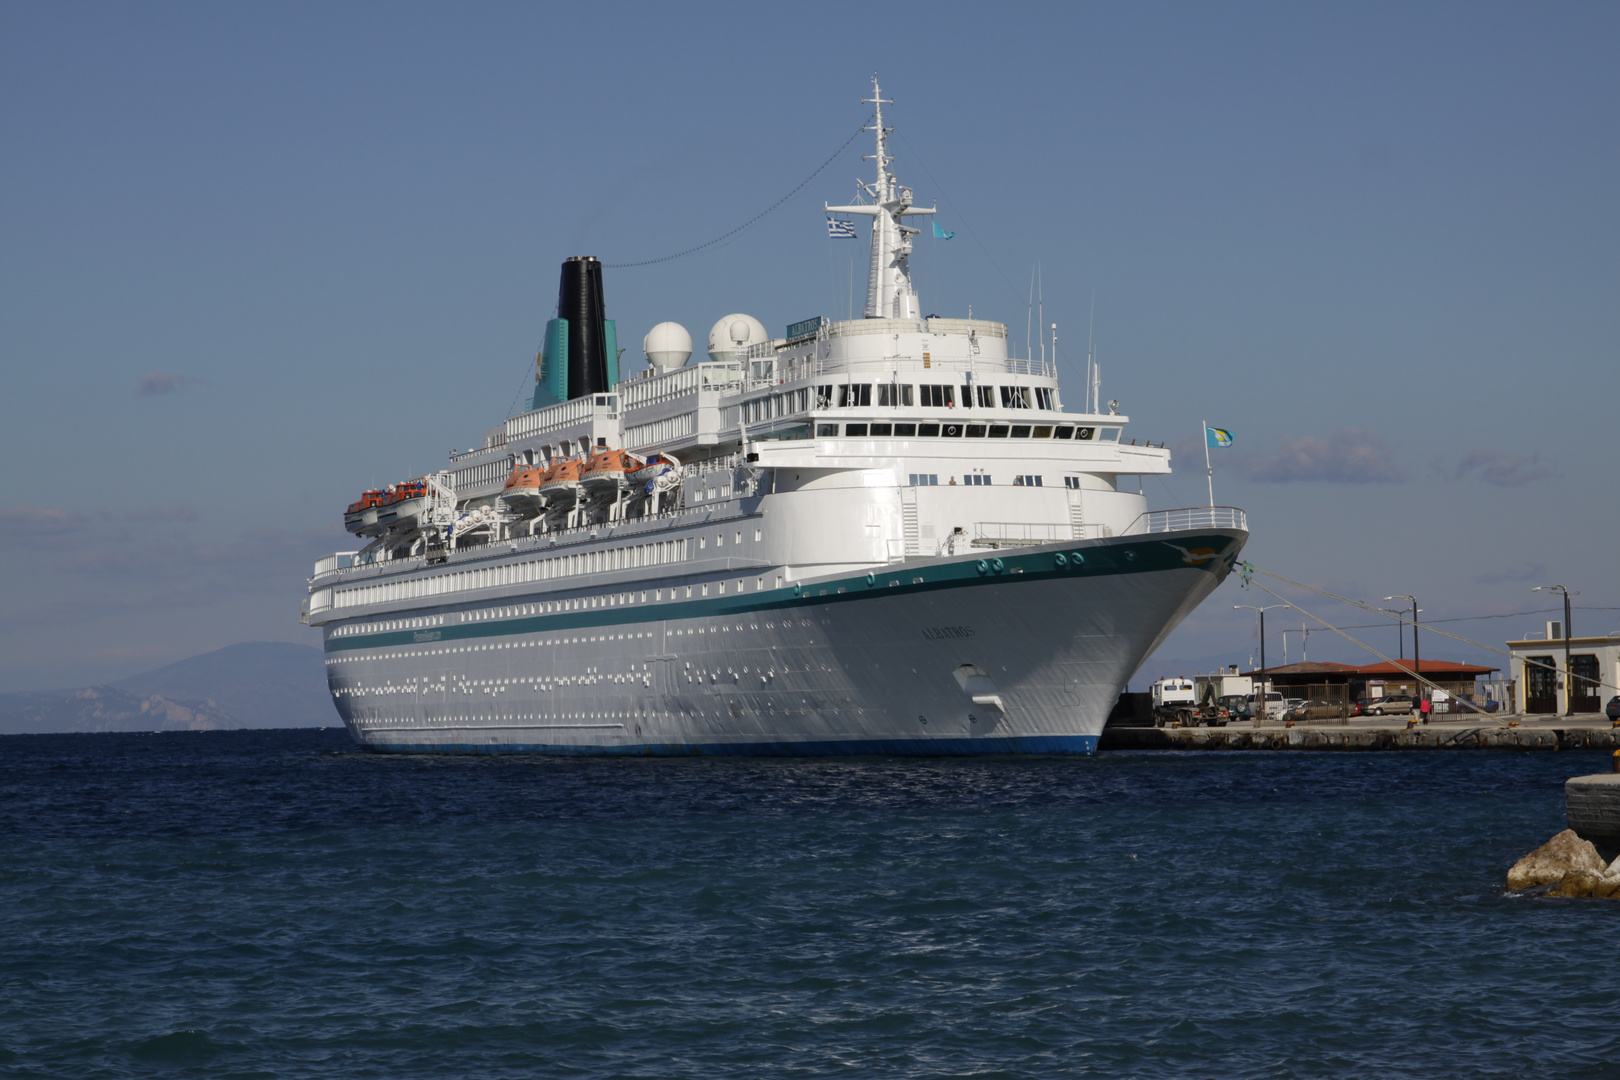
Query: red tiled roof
x=1428, y=667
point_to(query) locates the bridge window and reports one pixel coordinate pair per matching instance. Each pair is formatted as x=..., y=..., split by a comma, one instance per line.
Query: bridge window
x=855, y=396
x=892, y=395
x=986, y=396
x=1044, y=398
x=824, y=396
x=1015, y=397
x=938, y=397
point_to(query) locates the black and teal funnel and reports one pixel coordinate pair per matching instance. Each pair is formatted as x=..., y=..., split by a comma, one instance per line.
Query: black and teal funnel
x=581, y=352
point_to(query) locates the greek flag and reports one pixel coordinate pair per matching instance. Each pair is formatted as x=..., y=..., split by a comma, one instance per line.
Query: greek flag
x=1218, y=436
x=838, y=229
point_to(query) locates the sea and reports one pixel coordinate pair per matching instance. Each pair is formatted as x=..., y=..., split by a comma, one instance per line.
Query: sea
x=281, y=904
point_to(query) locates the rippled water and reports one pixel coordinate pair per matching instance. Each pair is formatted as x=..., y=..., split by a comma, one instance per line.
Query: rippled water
x=275, y=904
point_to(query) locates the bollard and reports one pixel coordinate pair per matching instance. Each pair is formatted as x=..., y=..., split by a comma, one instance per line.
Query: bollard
x=1616, y=761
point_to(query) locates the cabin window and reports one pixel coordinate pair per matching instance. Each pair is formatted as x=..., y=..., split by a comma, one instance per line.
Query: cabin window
x=998, y=431
x=1108, y=434
x=737, y=539
x=823, y=430
x=1020, y=431
x=1084, y=433
x=967, y=397
x=924, y=480
x=1026, y=481
x=1015, y=397
x=1044, y=398
x=1063, y=431
x=1072, y=483
x=882, y=429
x=986, y=395
x=938, y=397
x=893, y=395
x=905, y=430
x=855, y=396
x=1043, y=432
x=928, y=431
x=854, y=429
x=977, y=480
x=976, y=431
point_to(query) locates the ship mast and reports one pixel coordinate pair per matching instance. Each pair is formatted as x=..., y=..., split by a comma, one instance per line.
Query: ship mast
x=889, y=291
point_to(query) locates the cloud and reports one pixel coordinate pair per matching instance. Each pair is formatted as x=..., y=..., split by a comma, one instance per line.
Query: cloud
x=1525, y=572
x=1503, y=470
x=29, y=526
x=161, y=382
x=1347, y=456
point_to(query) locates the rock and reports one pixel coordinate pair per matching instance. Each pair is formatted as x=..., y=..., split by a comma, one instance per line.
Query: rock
x=1577, y=883
x=1608, y=888
x=1548, y=864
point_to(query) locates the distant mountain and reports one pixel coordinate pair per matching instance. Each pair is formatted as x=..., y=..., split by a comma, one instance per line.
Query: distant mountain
x=262, y=684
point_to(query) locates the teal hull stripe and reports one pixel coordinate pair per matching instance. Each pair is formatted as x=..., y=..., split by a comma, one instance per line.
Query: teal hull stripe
x=1015, y=744
x=1103, y=561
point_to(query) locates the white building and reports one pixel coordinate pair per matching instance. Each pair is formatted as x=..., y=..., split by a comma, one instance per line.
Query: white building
x=1543, y=683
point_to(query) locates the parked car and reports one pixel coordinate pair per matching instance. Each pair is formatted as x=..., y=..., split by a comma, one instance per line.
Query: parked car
x=1236, y=705
x=1613, y=709
x=1315, y=709
x=1394, y=704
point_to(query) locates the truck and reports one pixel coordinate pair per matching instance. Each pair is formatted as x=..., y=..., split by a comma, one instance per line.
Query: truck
x=1177, y=700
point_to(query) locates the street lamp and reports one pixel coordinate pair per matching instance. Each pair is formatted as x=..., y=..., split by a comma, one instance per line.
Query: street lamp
x=1417, y=657
x=1265, y=682
x=1569, y=671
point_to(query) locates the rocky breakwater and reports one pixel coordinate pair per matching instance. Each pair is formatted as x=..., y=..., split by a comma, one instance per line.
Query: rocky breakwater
x=1570, y=865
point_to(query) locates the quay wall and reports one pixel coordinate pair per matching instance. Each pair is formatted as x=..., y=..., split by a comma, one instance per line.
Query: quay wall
x=1572, y=735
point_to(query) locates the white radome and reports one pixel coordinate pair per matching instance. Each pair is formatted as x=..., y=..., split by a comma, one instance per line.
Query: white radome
x=667, y=346
x=734, y=334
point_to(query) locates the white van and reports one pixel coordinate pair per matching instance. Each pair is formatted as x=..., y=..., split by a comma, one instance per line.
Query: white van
x=1276, y=705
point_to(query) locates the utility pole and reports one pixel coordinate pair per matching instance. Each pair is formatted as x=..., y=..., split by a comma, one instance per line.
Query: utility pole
x=1569, y=670
x=1265, y=682
x=1417, y=657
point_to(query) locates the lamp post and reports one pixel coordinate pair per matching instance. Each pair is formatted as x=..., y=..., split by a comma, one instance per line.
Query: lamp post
x=1417, y=657
x=1569, y=672
x=1265, y=683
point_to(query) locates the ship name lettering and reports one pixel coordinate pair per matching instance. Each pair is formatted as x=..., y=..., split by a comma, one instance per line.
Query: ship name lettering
x=427, y=635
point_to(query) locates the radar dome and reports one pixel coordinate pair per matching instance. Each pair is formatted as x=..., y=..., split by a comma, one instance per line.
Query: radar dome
x=733, y=335
x=667, y=346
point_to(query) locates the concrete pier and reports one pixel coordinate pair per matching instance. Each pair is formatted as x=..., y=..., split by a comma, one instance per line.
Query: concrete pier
x=1592, y=806
x=1586, y=732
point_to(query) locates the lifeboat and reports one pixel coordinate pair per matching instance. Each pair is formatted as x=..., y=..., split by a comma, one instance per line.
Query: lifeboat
x=522, y=491
x=403, y=504
x=560, y=484
x=361, y=516
x=606, y=470
x=651, y=469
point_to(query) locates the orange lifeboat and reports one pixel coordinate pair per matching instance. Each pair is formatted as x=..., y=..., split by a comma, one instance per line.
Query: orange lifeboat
x=403, y=503
x=560, y=485
x=606, y=470
x=522, y=491
x=361, y=516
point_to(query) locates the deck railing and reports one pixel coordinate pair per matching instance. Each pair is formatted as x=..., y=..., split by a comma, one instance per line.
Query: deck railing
x=1192, y=517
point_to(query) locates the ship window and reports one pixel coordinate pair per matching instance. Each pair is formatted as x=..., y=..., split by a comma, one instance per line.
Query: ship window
x=1044, y=432
x=737, y=539
x=854, y=396
x=882, y=429
x=904, y=430
x=1043, y=398
x=938, y=397
x=998, y=431
x=1026, y=481
x=930, y=430
x=1063, y=431
x=924, y=480
x=720, y=540
x=977, y=480
x=824, y=397
x=976, y=431
x=891, y=395
x=967, y=397
x=854, y=429
x=1084, y=433
x=823, y=430
x=987, y=396
x=1020, y=431
x=758, y=535
x=1109, y=434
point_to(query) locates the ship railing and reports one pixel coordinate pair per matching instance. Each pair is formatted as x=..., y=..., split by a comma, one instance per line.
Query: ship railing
x=998, y=534
x=1192, y=517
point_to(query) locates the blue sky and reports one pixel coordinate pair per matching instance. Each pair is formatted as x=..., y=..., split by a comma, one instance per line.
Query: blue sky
x=261, y=257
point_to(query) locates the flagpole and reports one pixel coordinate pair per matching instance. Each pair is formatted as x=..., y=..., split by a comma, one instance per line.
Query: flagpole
x=1208, y=468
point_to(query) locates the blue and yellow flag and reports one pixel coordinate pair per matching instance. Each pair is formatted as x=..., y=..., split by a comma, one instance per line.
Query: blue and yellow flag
x=1218, y=436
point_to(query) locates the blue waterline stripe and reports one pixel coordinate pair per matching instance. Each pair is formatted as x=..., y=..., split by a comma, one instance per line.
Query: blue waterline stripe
x=1011, y=744
x=1102, y=561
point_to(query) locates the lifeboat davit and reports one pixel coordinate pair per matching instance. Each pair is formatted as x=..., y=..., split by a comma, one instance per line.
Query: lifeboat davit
x=522, y=491
x=560, y=485
x=607, y=469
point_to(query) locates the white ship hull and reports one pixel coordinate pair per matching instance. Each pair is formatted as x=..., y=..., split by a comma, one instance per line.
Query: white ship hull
x=945, y=656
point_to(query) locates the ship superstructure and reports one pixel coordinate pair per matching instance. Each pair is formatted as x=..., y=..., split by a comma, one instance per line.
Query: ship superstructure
x=882, y=534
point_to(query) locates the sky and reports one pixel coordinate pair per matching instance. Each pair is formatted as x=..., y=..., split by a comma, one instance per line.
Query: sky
x=261, y=257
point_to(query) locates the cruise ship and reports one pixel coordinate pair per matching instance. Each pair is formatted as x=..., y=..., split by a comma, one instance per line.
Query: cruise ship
x=883, y=535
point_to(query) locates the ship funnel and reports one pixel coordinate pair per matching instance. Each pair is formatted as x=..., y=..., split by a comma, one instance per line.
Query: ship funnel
x=581, y=353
